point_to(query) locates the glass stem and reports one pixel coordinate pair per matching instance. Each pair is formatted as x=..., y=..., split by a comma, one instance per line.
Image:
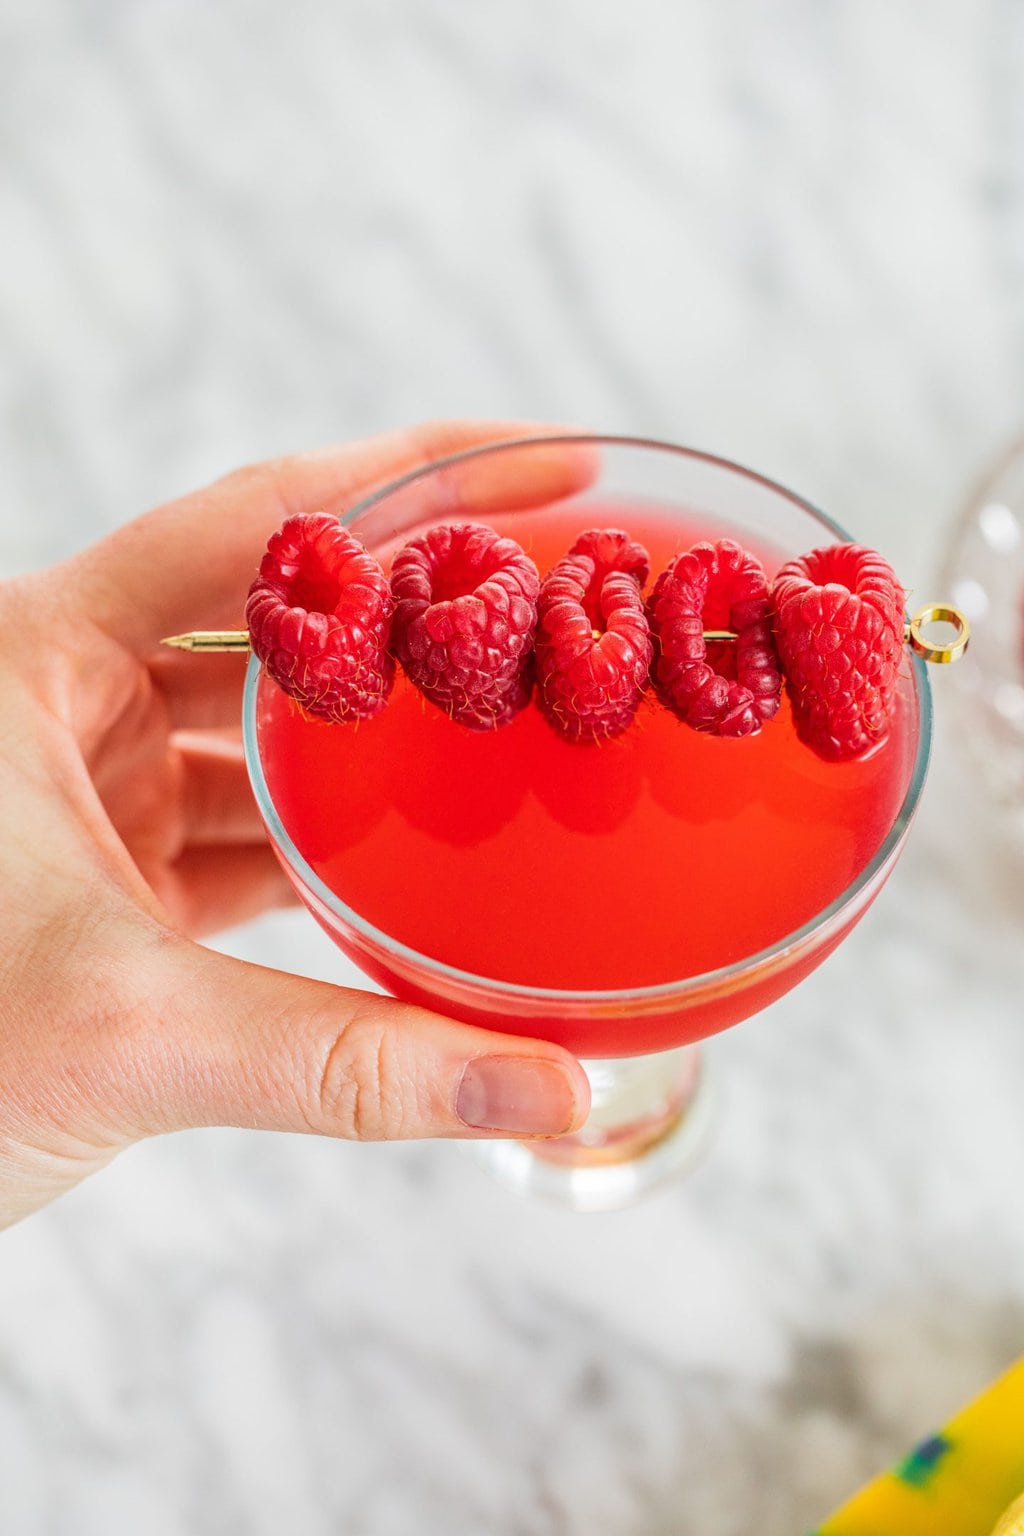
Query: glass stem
x=635, y=1101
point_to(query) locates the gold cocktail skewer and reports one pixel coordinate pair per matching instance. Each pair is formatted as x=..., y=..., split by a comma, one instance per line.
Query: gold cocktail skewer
x=913, y=635
x=210, y=640
x=238, y=639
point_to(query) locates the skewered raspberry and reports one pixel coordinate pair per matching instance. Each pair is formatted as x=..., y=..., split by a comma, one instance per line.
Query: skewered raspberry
x=464, y=621
x=319, y=616
x=593, y=641
x=838, y=615
x=730, y=690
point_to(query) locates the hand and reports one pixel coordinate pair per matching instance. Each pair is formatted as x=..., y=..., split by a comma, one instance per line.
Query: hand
x=128, y=828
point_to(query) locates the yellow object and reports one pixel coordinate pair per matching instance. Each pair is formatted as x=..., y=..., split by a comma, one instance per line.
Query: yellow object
x=1012, y=1523
x=210, y=640
x=913, y=634
x=966, y=1480
x=932, y=650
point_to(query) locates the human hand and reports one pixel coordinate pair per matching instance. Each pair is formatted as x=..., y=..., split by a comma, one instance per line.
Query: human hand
x=128, y=828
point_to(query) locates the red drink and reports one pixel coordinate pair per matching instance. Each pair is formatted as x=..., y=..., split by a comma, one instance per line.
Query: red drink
x=653, y=859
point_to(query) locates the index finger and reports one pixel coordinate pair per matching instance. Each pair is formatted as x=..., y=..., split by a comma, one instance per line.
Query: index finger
x=188, y=564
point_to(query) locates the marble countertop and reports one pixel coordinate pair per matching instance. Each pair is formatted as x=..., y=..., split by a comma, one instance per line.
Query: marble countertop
x=793, y=235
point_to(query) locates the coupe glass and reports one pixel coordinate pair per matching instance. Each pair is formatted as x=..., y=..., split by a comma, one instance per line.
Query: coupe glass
x=650, y=1111
x=983, y=572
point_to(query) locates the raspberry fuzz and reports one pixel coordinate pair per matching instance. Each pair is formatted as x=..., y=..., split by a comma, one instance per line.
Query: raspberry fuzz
x=318, y=616
x=465, y=615
x=715, y=586
x=593, y=641
x=839, y=627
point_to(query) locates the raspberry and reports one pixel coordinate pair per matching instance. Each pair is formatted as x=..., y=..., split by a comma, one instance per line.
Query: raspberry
x=465, y=614
x=839, y=628
x=593, y=651
x=715, y=586
x=318, y=616
x=613, y=550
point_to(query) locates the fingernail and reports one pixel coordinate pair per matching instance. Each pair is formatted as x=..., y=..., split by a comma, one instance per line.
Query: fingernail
x=509, y=1093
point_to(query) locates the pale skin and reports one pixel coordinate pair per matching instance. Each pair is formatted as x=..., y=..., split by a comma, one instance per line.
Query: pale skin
x=128, y=831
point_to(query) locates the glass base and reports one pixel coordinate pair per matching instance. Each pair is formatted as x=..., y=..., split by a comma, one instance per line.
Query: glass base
x=649, y=1122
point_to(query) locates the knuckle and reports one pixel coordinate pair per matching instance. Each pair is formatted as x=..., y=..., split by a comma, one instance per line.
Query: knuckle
x=361, y=1091
x=437, y=437
x=255, y=482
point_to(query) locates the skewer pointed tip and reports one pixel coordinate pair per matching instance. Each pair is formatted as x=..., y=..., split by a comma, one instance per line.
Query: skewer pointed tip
x=209, y=640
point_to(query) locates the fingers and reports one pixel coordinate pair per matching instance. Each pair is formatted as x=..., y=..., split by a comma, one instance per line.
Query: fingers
x=188, y=564
x=217, y=801
x=227, y=873
x=220, y=1042
x=202, y=693
x=525, y=475
x=197, y=836
x=207, y=890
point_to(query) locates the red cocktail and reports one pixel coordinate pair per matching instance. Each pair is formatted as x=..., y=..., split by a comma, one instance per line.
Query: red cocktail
x=626, y=898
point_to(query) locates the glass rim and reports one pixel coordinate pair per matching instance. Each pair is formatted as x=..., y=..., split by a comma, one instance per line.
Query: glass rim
x=562, y=996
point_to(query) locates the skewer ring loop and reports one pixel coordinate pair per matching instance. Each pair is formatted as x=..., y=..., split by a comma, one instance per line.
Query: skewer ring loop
x=932, y=650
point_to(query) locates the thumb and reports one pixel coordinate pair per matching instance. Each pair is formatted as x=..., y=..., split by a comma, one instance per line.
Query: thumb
x=222, y=1042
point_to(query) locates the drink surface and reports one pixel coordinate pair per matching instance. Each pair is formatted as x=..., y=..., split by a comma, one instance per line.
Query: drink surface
x=660, y=855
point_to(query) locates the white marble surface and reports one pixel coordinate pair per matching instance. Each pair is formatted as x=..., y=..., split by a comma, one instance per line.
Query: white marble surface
x=791, y=233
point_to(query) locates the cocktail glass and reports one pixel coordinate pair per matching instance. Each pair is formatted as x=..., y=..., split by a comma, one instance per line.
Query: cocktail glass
x=983, y=571
x=650, y=1109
